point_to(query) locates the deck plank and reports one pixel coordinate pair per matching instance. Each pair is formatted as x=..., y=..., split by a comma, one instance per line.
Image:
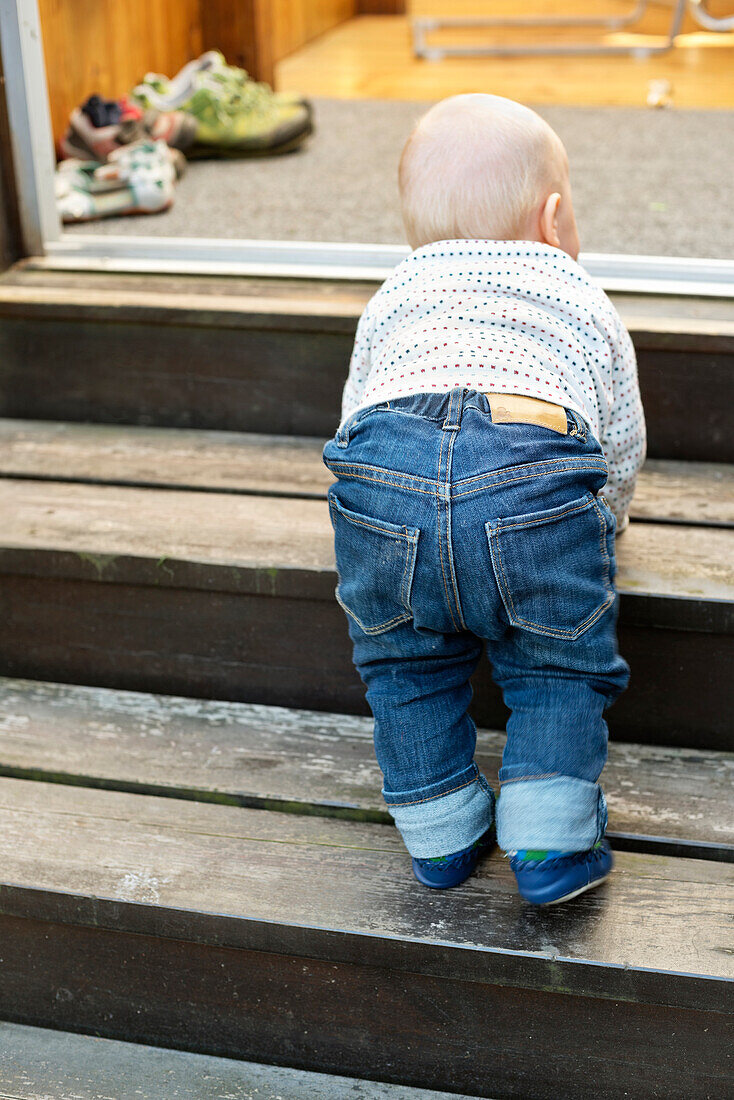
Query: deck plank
x=40, y=1064
x=266, y=533
x=635, y=309
x=305, y=941
x=307, y=762
x=322, y=873
x=239, y=462
x=176, y=357
x=218, y=596
x=689, y=322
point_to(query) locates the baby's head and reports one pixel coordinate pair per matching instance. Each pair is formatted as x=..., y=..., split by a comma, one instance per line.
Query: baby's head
x=480, y=167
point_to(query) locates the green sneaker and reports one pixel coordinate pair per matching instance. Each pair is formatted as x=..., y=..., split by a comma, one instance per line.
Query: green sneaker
x=215, y=63
x=250, y=121
x=234, y=115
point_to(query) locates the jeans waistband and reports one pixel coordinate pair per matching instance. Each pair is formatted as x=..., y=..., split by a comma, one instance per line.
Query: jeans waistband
x=440, y=406
x=448, y=408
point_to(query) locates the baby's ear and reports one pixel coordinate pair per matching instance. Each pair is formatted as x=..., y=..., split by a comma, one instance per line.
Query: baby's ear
x=549, y=220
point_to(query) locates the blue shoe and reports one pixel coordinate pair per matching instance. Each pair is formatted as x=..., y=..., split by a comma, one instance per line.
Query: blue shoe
x=441, y=872
x=547, y=878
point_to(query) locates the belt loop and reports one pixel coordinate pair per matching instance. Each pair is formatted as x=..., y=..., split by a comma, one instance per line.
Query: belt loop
x=580, y=427
x=342, y=434
x=452, y=423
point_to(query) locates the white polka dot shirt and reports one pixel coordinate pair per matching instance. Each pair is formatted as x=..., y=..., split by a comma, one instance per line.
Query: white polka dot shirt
x=505, y=317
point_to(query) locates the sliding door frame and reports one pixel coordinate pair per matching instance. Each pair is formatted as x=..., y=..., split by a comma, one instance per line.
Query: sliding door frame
x=48, y=247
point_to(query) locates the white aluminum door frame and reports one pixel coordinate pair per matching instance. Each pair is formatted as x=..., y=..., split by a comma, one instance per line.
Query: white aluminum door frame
x=30, y=122
x=51, y=248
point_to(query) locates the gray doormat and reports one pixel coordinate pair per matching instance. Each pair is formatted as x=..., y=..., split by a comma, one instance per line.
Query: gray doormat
x=645, y=181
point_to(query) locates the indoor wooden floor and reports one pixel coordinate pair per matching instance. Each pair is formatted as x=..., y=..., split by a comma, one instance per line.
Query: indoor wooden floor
x=371, y=57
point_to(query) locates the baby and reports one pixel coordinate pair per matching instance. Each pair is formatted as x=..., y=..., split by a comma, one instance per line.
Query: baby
x=492, y=395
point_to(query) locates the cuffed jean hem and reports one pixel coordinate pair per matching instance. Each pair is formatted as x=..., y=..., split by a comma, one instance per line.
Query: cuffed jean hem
x=562, y=814
x=417, y=795
x=443, y=825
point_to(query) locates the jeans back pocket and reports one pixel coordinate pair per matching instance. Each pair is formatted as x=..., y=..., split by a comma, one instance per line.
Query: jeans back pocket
x=375, y=561
x=554, y=569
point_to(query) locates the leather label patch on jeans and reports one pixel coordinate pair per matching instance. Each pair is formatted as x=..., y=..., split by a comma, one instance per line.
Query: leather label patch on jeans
x=512, y=408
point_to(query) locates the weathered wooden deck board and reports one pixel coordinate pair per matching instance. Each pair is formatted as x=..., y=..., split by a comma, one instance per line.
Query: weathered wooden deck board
x=40, y=1064
x=323, y=303
x=635, y=309
x=108, y=522
x=305, y=941
x=238, y=462
x=174, y=457
x=685, y=492
x=249, y=648
x=352, y=1016
x=218, y=596
x=308, y=762
x=311, y=872
x=123, y=353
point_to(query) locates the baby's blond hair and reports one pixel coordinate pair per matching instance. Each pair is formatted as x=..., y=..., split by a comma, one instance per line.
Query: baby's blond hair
x=476, y=167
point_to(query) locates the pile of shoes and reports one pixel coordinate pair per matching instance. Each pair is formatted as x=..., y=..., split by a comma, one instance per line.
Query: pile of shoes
x=234, y=115
x=124, y=156
x=101, y=126
x=135, y=179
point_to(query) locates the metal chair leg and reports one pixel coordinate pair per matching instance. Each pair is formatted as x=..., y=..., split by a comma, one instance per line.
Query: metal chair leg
x=423, y=26
x=699, y=11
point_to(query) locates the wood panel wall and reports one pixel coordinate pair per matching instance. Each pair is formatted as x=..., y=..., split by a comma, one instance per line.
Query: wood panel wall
x=237, y=30
x=106, y=46
x=294, y=22
x=256, y=34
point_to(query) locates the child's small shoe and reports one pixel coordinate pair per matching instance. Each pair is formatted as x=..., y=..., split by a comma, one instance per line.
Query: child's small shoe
x=441, y=872
x=547, y=878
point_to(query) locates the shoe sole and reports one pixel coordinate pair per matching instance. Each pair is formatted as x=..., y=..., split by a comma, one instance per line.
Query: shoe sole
x=442, y=885
x=574, y=893
x=70, y=150
x=121, y=214
x=216, y=152
x=484, y=851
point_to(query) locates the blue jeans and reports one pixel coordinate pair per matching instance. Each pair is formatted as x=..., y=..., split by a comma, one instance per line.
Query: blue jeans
x=452, y=531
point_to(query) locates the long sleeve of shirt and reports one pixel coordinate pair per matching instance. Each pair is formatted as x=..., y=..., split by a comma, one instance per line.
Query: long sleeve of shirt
x=359, y=366
x=623, y=439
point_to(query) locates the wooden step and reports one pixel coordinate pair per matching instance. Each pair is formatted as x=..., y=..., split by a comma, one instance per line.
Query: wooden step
x=40, y=1064
x=303, y=940
x=254, y=355
x=221, y=595
x=661, y=800
x=696, y=493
